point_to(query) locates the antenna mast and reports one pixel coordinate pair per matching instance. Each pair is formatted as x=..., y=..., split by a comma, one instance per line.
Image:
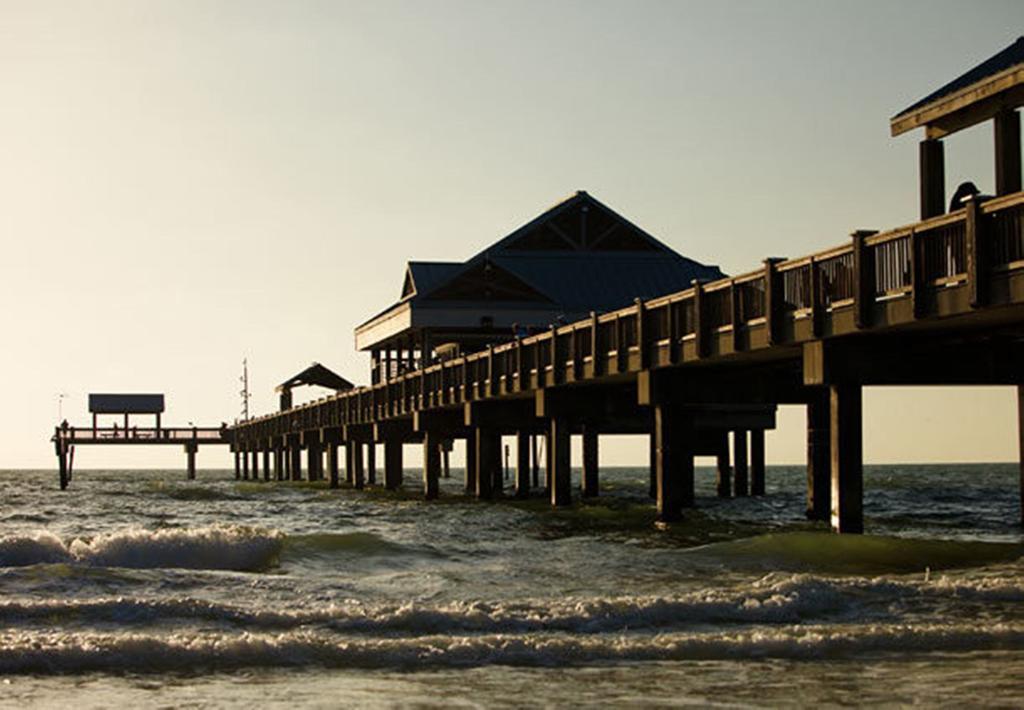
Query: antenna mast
x=245, y=389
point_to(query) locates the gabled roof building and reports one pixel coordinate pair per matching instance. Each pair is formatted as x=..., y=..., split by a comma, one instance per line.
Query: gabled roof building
x=578, y=257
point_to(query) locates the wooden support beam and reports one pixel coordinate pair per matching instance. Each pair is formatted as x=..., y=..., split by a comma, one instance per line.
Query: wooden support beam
x=393, y=464
x=431, y=465
x=314, y=459
x=278, y=463
x=350, y=462
x=560, y=458
x=1008, y=157
x=757, y=462
x=589, y=485
x=522, y=464
x=740, y=476
x=847, y=458
x=238, y=465
x=245, y=465
x=255, y=464
x=266, y=463
x=819, y=460
x=932, y=168
x=723, y=476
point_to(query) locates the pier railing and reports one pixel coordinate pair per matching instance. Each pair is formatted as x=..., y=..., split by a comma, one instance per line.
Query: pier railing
x=784, y=303
x=141, y=435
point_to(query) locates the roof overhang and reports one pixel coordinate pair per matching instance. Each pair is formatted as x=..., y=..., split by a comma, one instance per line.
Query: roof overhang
x=966, y=107
x=388, y=324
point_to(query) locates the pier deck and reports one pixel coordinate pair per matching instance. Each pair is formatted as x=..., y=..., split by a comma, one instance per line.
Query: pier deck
x=937, y=302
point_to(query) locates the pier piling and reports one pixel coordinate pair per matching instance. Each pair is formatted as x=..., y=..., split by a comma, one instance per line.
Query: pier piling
x=522, y=464
x=757, y=462
x=560, y=458
x=589, y=484
x=723, y=479
x=740, y=486
x=392, y=464
x=431, y=465
x=846, y=453
x=819, y=460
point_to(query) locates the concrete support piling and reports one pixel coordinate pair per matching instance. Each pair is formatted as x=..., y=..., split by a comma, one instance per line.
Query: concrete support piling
x=819, y=461
x=470, y=471
x=589, y=483
x=238, y=466
x=740, y=485
x=245, y=465
x=560, y=458
x=723, y=478
x=488, y=460
x=757, y=462
x=360, y=474
x=847, y=458
x=1020, y=438
x=652, y=451
x=255, y=464
x=431, y=465
x=295, y=465
x=190, y=460
x=333, y=467
x=673, y=445
x=393, y=464
x=522, y=464
x=350, y=463
x=278, y=463
x=266, y=463
x=371, y=464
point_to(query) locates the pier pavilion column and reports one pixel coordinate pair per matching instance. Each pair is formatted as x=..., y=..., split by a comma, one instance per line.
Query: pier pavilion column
x=245, y=465
x=560, y=458
x=190, y=460
x=1007, y=144
x=522, y=464
x=933, y=178
x=819, y=461
x=723, y=479
x=739, y=466
x=470, y=476
x=847, y=458
x=371, y=463
x=238, y=466
x=266, y=463
x=488, y=459
x=589, y=484
x=255, y=464
x=295, y=468
x=757, y=462
x=674, y=446
x=393, y=464
x=431, y=465
x=359, y=480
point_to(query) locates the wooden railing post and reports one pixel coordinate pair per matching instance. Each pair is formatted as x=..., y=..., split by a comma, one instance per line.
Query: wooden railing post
x=555, y=369
x=699, y=320
x=672, y=308
x=492, y=384
x=621, y=350
x=594, y=355
x=863, y=278
x=975, y=246
x=735, y=314
x=519, y=364
x=641, y=341
x=817, y=307
x=773, y=299
x=917, y=284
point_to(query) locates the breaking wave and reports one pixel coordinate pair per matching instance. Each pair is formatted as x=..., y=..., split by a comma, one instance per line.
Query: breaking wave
x=77, y=652
x=218, y=547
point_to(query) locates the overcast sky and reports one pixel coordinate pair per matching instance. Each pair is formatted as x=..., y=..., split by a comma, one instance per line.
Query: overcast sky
x=185, y=184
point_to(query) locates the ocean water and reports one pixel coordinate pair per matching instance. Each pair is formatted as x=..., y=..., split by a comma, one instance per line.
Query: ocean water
x=143, y=589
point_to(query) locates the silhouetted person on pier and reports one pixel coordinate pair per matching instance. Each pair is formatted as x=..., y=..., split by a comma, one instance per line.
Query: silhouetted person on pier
x=963, y=191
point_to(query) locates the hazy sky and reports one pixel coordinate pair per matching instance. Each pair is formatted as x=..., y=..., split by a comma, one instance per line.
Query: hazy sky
x=184, y=184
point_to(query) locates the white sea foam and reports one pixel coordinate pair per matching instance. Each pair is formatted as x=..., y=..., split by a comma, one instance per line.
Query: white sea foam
x=75, y=652
x=222, y=547
x=774, y=600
